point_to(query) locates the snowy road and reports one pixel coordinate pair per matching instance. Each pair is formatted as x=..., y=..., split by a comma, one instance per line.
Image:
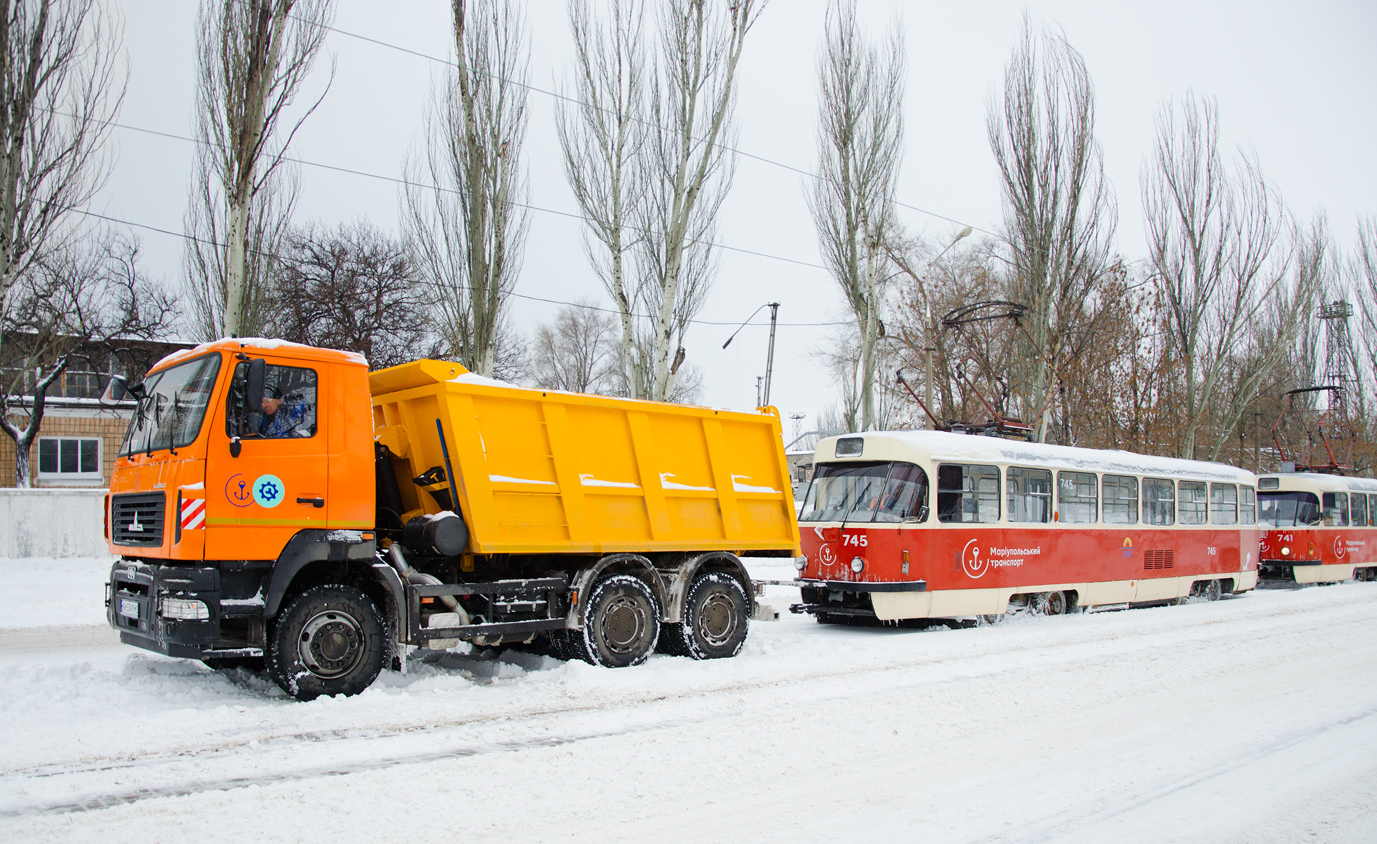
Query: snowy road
x=1253, y=719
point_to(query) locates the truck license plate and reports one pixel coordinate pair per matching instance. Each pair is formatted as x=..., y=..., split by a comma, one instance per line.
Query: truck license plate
x=129, y=608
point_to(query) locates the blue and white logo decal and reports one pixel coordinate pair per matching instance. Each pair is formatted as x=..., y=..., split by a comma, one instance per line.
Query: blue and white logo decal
x=268, y=491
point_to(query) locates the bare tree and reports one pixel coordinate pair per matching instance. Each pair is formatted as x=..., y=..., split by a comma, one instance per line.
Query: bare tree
x=1362, y=273
x=602, y=128
x=351, y=287
x=462, y=204
x=576, y=352
x=1217, y=243
x=253, y=57
x=83, y=300
x=688, y=171
x=1059, y=212
x=60, y=90
x=205, y=256
x=860, y=144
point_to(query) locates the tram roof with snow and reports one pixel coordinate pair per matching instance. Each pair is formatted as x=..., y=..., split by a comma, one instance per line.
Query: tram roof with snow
x=936, y=448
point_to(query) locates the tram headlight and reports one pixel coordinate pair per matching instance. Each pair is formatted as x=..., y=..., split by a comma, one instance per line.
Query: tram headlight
x=857, y=565
x=1286, y=550
x=800, y=562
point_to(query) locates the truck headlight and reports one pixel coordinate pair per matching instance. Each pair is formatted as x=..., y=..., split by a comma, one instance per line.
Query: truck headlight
x=800, y=563
x=184, y=609
x=857, y=565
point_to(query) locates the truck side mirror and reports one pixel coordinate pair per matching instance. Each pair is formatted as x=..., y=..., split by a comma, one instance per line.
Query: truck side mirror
x=253, y=391
x=115, y=390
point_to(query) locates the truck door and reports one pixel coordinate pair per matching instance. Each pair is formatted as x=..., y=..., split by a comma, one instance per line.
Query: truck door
x=277, y=485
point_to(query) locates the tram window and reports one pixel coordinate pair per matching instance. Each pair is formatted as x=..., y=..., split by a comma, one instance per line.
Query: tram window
x=1289, y=509
x=1029, y=493
x=967, y=493
x=1223, y=504
x=1359, y=510
x=1078, y=498
x=1120, y=500
x=1336, y=509
x=905, y=496
x=1192, y=503
x=1248, y=510
x=1159, y=501
x=866, y=492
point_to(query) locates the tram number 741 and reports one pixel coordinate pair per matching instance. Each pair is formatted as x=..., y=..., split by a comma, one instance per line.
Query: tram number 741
x=855, y=539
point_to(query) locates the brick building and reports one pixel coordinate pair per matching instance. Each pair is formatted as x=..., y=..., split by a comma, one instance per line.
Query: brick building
x=79, y=437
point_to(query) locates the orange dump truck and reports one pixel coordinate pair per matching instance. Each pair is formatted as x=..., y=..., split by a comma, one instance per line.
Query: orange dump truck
x=276, y=504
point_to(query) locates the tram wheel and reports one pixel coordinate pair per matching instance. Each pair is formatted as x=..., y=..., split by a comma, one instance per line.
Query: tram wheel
x=1050, y=603
x=1211, y=590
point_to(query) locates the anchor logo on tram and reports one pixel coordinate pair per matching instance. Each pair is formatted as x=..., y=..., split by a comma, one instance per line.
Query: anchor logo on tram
x=971, y=562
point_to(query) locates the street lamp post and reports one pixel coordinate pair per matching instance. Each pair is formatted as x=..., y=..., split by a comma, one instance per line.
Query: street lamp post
x=770, y=353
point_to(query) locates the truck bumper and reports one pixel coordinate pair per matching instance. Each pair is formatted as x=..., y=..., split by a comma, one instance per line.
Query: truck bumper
x=172, y=610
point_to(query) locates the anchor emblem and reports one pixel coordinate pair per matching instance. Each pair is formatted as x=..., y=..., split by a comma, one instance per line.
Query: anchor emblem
x=237, y=491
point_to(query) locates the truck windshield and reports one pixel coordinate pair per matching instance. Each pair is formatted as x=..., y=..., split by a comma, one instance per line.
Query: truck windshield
x=174, y=404
x=866, y=492
x=1288, y=509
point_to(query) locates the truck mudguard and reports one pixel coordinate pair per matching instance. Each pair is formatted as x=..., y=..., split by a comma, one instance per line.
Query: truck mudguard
x=311, y=546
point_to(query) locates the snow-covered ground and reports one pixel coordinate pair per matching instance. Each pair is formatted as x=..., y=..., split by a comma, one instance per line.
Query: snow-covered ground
x=1252, y=720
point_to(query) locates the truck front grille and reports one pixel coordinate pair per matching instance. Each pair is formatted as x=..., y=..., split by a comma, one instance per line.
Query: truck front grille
x=137, y=519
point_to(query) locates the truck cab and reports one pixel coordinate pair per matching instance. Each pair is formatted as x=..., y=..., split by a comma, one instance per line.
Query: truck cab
x=208, y=492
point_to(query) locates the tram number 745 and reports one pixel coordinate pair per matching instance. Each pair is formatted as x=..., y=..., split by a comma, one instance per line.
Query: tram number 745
x=856, y=539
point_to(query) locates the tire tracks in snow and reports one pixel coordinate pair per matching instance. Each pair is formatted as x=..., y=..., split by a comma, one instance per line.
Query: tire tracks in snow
x=68, y=788
x=1085, y=816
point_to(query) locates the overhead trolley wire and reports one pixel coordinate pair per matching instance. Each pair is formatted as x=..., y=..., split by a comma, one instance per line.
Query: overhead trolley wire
x=575, y=101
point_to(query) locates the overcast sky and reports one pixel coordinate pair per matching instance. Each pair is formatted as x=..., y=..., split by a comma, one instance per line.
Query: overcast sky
x=1295, y=85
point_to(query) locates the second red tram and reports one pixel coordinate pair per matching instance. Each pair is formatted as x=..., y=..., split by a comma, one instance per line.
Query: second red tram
x=1320, y=528
x=925, y=524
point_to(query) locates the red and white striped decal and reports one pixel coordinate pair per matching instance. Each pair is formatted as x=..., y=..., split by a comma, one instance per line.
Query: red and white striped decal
x=193, y=513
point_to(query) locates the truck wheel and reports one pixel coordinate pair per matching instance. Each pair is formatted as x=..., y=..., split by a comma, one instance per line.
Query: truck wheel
x=328, y=641
x=716, y=615
x=621, y=623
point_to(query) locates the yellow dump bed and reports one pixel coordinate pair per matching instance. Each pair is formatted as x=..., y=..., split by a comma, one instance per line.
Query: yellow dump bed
x=551, y=472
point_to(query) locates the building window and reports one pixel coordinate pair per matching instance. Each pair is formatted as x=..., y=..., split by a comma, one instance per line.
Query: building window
x=82, y=385
x=69, y=459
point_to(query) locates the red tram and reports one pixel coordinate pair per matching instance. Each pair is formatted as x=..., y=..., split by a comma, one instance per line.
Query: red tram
x=925, y=524
x=1320, y=528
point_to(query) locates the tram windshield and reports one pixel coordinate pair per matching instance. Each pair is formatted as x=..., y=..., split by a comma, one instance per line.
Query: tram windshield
x=1288, y=509
x=866, y=492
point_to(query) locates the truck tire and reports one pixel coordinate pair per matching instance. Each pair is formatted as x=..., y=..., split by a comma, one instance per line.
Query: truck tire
x=621, y=623
x=330, y=640
x=716, y=616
